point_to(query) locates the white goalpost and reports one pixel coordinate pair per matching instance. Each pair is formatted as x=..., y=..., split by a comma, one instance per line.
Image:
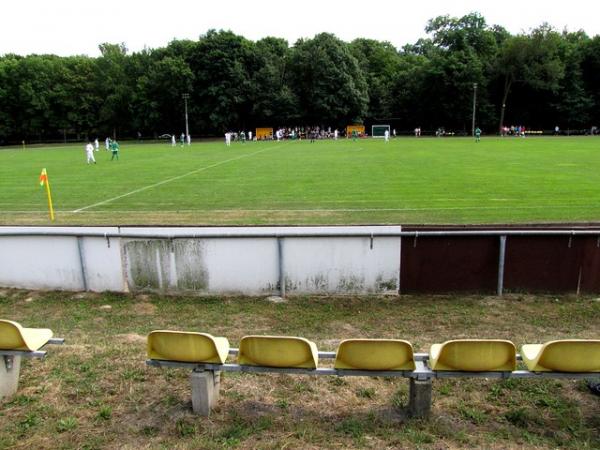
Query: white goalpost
x=378, y=131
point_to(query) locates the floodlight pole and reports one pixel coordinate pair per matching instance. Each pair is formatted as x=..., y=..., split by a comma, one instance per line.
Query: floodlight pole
x=474, y=108
x=187, y=129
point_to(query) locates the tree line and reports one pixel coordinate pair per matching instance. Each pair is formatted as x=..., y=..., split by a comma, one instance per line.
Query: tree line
x=541, y=78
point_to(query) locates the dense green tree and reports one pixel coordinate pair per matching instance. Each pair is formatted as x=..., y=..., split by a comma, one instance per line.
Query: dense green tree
x=379, y=62
x=9, y=109
x=469, y=33
x=590, y=70
x=158, y=105
x=328, y=81
x=532, y=60
x=571, y=102
x=549, y=78
x=222, y=85
x=80, y=100
x=115, y=88
x=273, y=101
x=457, y=56
x=407, y=89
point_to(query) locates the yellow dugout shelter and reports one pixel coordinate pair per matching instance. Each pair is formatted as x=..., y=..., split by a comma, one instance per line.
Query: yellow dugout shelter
x=264, y=133
x=360, y=129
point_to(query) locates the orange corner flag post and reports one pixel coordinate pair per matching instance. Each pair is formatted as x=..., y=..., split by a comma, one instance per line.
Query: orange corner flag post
x=44, y=181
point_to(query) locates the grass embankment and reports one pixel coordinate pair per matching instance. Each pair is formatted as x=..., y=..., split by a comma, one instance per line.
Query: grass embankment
x=96, y=392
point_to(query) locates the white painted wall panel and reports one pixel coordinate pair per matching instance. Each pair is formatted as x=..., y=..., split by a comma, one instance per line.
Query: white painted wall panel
x=103, y=266
x=341, y=265
x=40, y=263
x=246, y=266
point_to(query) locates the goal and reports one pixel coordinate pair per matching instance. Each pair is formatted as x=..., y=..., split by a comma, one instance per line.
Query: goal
x=378, y=131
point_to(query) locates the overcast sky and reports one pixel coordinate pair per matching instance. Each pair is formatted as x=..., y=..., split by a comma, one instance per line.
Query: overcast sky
x=68, y=27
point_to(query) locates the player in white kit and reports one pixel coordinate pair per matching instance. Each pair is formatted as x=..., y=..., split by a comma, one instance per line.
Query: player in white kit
x=89, y=151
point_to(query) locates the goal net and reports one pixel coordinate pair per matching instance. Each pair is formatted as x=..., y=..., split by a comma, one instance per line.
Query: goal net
x=378, y=131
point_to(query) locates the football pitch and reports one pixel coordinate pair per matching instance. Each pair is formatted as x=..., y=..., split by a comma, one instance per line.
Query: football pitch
x=407, y=181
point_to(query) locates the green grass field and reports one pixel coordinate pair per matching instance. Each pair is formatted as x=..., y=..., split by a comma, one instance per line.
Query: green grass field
x=409, y=180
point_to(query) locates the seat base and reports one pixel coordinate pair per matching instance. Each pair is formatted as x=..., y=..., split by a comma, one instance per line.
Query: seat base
x=419, y=398
x=205, y=391
x=10, y=368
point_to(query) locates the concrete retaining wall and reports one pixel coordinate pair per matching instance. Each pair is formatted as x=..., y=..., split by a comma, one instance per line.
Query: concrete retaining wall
x=203, y=264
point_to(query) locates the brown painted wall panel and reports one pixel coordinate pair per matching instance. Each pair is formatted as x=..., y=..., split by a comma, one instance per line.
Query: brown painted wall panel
x=449, y=264
x=470, y=264
x=542, y=264
x=590, y=273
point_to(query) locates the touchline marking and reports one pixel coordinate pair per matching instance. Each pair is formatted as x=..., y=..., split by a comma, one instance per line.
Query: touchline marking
x=168, y=180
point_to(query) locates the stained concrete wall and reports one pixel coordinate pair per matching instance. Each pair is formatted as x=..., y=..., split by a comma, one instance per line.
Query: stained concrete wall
x=203, y=264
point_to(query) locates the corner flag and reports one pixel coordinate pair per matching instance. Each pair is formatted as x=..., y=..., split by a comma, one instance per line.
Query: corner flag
x=43, y=177
x=45, y=181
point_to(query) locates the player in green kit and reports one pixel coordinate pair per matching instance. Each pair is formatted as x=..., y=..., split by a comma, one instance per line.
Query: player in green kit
x=114, y=148
x=477, y=134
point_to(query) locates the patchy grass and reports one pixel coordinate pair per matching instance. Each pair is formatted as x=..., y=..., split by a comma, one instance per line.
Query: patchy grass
x=96, y=392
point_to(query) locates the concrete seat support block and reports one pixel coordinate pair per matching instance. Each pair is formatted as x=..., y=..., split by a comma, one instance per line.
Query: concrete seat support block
x=205, y=391
x=10, y=368
x=419, y=401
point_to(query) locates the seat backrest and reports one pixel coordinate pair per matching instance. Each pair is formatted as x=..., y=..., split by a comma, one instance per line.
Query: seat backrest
x=278, y=351
x=187, y=346
x=572, y=355
x=11, y=337
x=474, y=355
x=375, y=354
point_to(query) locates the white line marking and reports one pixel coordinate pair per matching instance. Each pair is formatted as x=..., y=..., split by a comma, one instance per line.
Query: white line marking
x=168, y=180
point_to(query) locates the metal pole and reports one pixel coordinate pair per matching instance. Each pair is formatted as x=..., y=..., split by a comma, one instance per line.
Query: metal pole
x=280, y=267
x=187, y=128
x=474, y=108
x=501, y=259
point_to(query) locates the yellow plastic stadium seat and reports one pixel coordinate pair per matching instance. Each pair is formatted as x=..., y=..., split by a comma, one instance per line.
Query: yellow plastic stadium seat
x=474, y=355
x=14, y=337
x=278, y=351
x=187, y=347
x=375, y=354
x=572, y=355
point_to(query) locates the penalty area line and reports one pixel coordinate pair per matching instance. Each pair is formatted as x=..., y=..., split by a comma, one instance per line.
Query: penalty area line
x=168, y=180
